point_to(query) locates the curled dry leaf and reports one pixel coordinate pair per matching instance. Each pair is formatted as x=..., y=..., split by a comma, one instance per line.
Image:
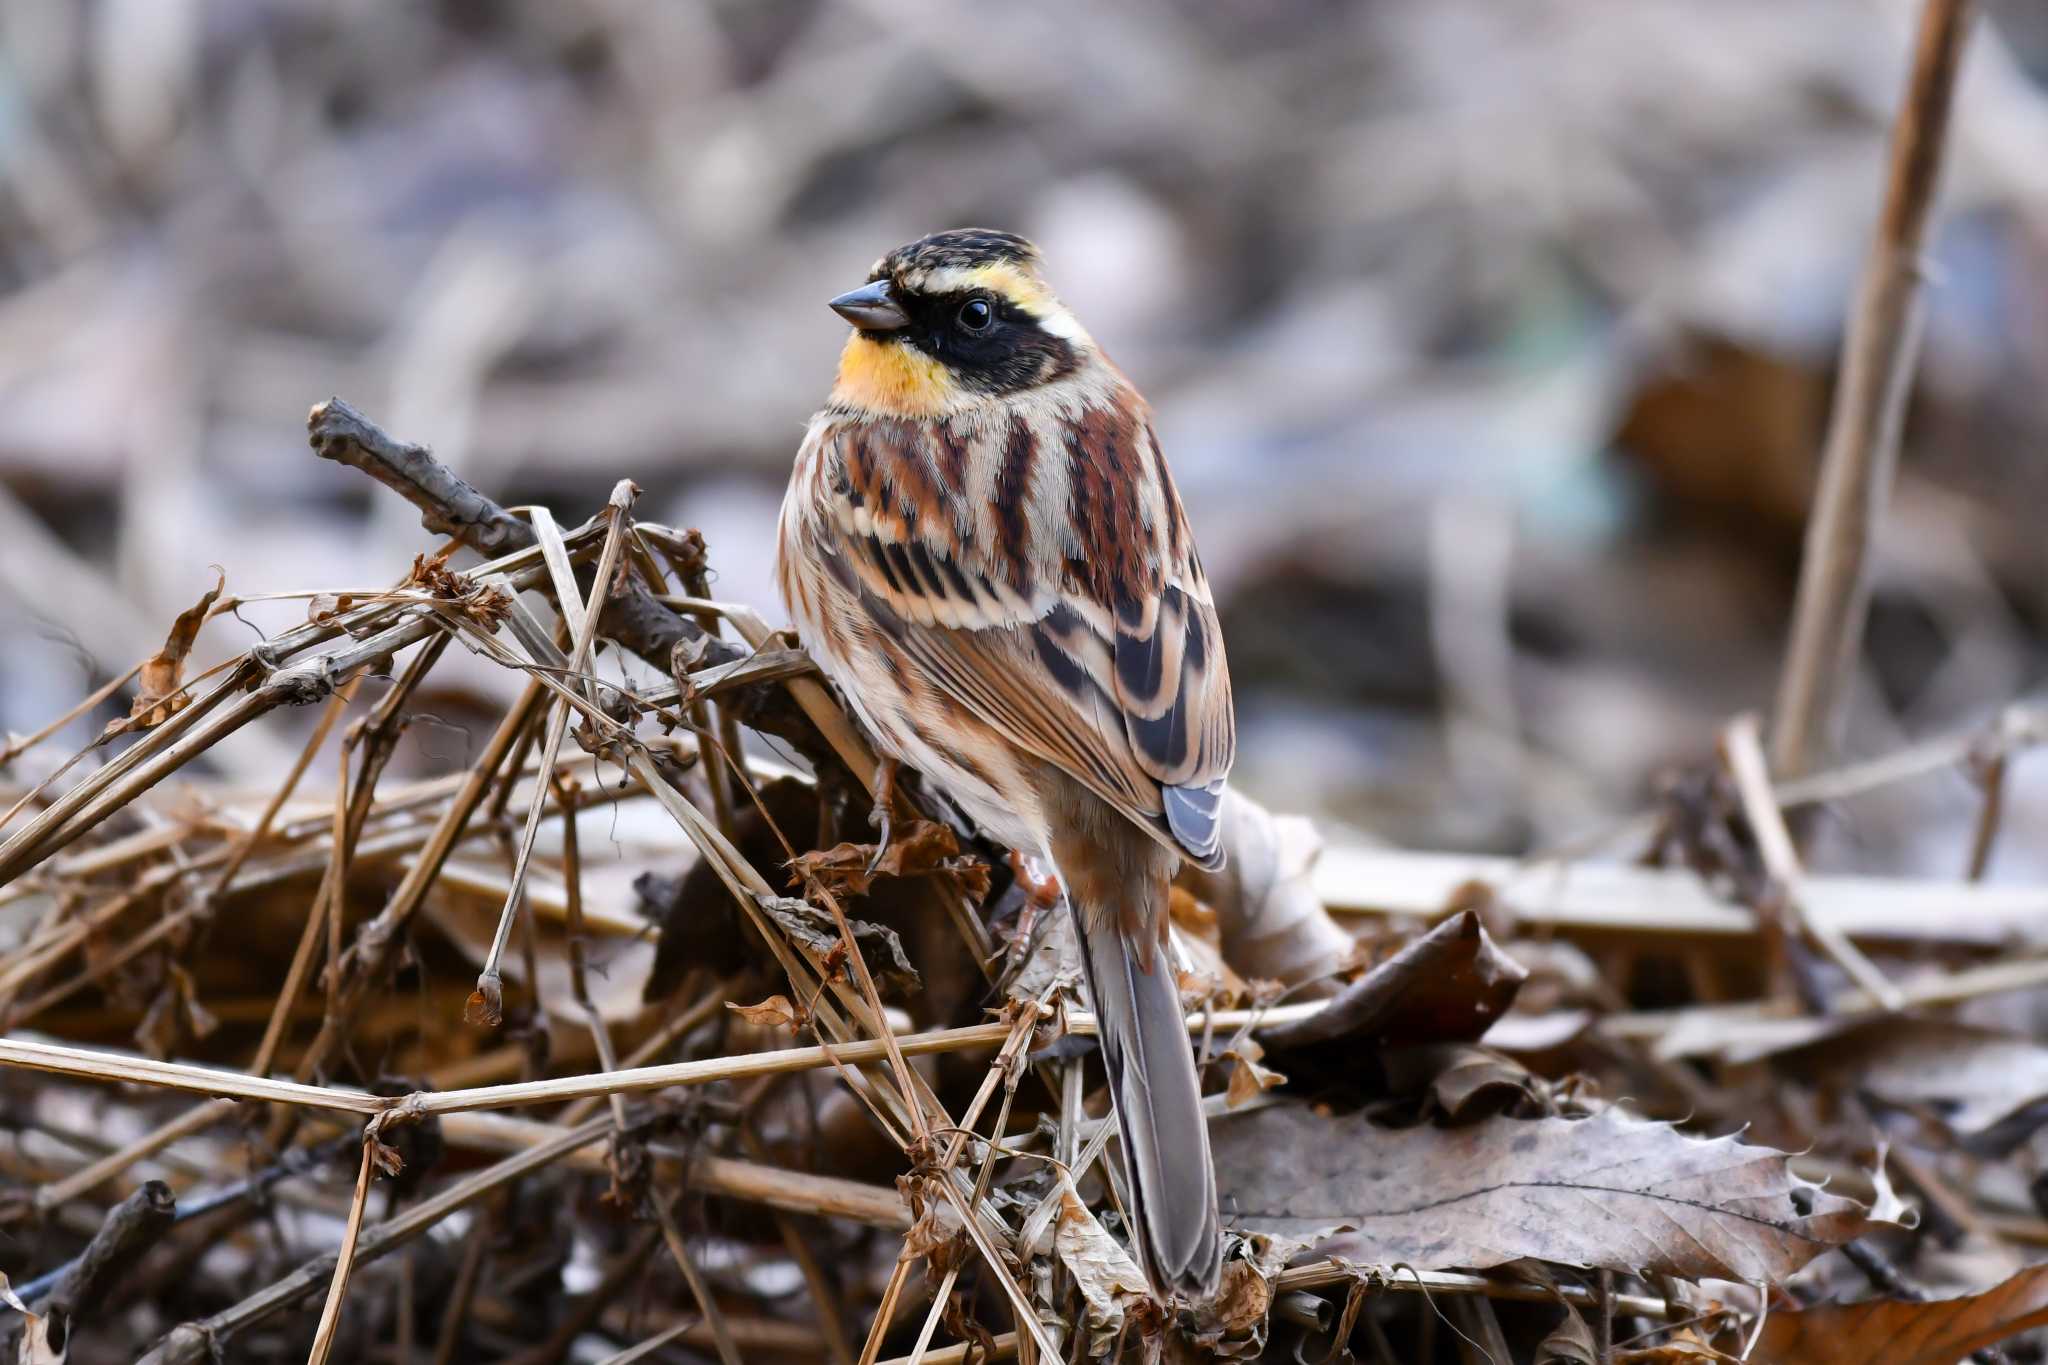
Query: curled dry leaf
x=485, y=1006
x=1268, y=916
x=484, y=604
x=1109, y=1280
x=35, y=1346
x=815, y=929
x=1232, y=1326
x=1891, y=1332
x=921, y=848
x=157, y=694
x=1569, y=1343
x=1244, y=1298
x=776, y=1012
x=1248, y=1079
x=1450, y=985
x=325, y=606
x=1610, y=1190
x=1465, y=1081
x=385, y=1157
x=936, y=1228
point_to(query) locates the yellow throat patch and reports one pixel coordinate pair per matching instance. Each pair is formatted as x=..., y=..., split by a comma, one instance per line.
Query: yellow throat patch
x=890, y=377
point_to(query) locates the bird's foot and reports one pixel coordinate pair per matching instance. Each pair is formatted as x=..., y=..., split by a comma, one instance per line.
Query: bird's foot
x=882, y=816
x=1041, y=884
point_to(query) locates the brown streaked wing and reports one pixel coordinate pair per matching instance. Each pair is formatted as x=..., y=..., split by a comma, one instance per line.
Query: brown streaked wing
x=1111, y=667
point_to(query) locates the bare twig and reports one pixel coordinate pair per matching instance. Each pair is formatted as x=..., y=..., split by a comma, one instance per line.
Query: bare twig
x=448, y=504
x=344, y=1259
x=714, y=1316
x=1767, y=823
x=131, y=1228
x=1609, y=897
x=1870, y=403
x=486, y=1004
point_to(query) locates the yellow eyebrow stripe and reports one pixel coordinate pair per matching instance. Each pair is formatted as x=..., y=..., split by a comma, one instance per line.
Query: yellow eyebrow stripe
x=1023, y=289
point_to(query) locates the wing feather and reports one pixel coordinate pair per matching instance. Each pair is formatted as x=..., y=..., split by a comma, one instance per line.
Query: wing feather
x=1112, y=668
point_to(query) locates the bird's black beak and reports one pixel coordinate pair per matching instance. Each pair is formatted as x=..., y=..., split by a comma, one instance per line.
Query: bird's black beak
x=871, y=309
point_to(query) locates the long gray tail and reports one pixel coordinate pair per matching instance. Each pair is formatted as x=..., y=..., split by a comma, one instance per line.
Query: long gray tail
x=1158, y=1102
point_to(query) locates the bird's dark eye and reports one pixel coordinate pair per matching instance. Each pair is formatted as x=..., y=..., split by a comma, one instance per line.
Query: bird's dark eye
x=976, y=315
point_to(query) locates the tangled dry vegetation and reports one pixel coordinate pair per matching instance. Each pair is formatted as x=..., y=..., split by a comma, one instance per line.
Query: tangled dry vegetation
x=632, y=1039
x=439, y=1072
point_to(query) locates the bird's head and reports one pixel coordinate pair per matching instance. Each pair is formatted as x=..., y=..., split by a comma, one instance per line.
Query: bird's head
x=952, y=321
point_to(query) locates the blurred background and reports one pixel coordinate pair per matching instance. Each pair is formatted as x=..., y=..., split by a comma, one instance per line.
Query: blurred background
x=1491, y=342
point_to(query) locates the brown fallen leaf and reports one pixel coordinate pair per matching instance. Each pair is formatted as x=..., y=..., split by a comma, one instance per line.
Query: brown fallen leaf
x=157, y=694
x=776, y=1012
x=1238, y=1312
x=1466, y=1082
x=1109, y=1280
x=936, y=1229
x=1569, y=1343
x=35, y=1346
x=815, y=929
x=1612, y=1190
x=919, y=848
x=1450, y=985
x=1893, y=1332
x=485, y=604
x=1248, y=1079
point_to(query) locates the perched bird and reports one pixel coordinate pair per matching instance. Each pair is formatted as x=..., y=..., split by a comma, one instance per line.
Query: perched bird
x=982, y=547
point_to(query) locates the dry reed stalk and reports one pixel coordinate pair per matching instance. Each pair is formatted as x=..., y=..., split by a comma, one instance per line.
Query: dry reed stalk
x=1746, y=762
x=641, y=1350
x=1407, y=1280
x=1005, y=1347
x=1606, y=897
x=88, y=1064
x=1878, y=351
x=344, y=1259
x=943, y=1292
x=885, y=1311
x=714, y=1317
x=583, y=622
x=179, y=739
x=1932, y=991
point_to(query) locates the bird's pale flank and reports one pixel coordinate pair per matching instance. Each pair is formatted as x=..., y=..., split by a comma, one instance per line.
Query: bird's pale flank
x=982, y=546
